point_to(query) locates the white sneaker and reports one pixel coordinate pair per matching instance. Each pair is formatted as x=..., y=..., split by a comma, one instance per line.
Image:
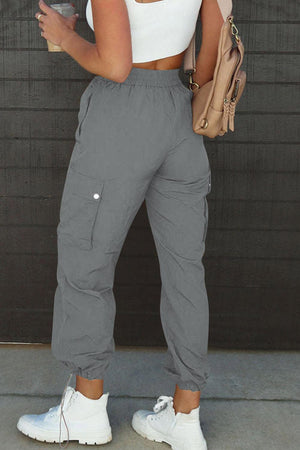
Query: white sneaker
x=86, y=420
x=181, y=431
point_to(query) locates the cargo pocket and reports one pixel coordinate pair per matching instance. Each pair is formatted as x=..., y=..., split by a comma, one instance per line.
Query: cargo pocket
x=209, y=184
x=205, y=218
x=206, y=208
x=79, y=209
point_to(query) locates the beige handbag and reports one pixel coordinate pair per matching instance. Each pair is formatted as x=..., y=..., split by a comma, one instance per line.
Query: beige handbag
x=214, y=103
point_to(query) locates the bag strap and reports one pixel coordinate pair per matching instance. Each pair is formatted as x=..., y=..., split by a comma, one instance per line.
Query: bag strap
x=189, y=61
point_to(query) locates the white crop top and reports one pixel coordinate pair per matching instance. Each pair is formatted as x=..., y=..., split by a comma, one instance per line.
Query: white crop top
x=158, y=29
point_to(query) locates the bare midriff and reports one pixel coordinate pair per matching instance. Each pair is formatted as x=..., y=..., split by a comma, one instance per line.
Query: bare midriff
x=171, y=62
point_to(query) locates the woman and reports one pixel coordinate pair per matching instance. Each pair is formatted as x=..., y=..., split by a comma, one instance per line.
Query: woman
x=134, y=141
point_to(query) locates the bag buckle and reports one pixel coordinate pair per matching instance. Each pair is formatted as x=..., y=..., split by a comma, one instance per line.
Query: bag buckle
x=234, y=30
x=192, y=83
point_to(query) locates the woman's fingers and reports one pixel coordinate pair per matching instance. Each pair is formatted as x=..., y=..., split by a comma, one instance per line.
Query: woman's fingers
x=45, y=8
x=39, y=16
x=71, y=21
x=54, y=24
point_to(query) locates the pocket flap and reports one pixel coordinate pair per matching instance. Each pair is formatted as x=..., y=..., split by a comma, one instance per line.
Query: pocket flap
x=79, y=208
x=84, y=186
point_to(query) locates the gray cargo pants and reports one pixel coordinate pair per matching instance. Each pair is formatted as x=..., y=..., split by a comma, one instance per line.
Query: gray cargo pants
x=134, y=141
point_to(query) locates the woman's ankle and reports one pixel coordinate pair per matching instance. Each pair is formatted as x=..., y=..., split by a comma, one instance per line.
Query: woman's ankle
x=185, y=400
x=92, y=389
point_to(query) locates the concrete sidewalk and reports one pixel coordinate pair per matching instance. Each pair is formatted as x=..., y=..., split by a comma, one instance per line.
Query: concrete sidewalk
x=251, y=400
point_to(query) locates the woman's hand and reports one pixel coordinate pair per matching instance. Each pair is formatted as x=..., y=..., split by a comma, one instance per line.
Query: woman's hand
x=54, y=25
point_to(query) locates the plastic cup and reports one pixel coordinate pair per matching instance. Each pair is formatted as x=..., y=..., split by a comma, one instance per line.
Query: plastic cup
x=67, y=10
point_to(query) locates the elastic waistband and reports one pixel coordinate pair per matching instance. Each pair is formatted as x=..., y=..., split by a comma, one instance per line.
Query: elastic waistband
x=150, y=77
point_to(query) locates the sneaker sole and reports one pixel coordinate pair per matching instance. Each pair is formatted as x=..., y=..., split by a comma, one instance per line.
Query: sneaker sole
x=52, y=437
x=153, y=435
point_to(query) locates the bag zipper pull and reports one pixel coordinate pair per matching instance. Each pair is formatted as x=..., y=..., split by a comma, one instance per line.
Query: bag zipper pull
x=232, y=104
x=231, y=115
x=225, y=115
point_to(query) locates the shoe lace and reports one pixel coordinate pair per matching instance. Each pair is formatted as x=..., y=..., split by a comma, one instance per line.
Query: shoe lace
x=60, y=410
x=56, y=409
x=162, y=403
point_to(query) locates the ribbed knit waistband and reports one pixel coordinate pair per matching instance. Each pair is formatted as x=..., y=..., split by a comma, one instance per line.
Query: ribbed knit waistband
x=150, y=77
